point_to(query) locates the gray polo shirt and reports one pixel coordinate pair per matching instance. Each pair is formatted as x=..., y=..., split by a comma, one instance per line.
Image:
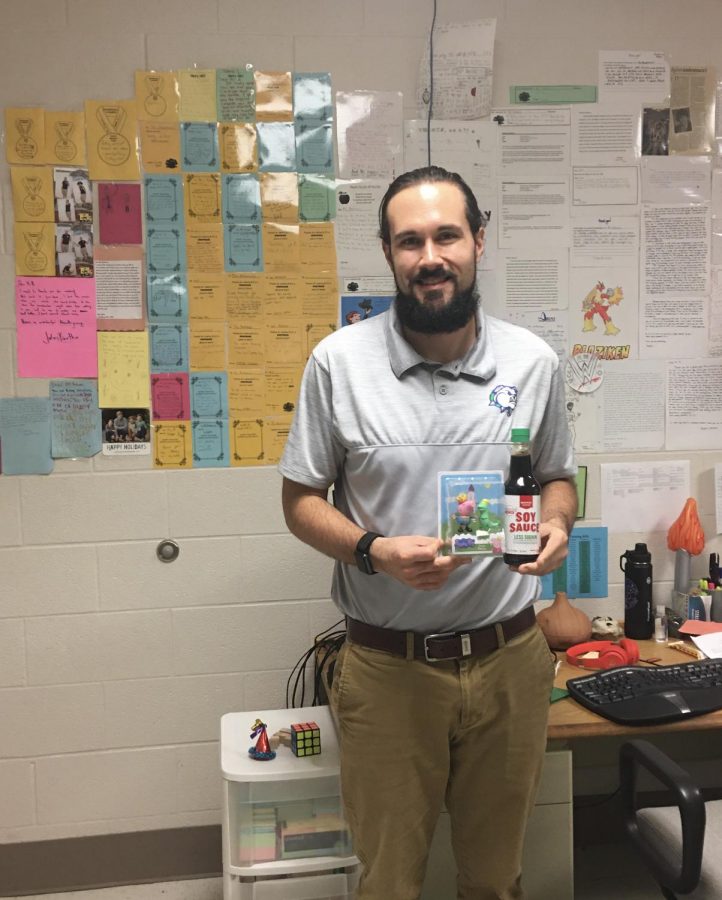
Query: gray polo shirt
x=379, y=422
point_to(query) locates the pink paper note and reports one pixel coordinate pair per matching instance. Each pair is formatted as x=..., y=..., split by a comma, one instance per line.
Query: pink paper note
x=56, y=327
x=171, y=397
x=119, y=214
x=694, y=626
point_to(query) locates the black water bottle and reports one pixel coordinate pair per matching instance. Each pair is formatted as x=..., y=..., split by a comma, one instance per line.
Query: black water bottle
x=638, y=608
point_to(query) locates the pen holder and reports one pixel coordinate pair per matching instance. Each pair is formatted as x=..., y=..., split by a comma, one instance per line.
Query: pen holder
x=694, y=605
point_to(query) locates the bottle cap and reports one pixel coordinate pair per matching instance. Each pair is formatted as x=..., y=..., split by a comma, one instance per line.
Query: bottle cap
x=519, y=435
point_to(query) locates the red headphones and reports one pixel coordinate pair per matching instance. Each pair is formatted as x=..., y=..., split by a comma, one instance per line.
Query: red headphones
x=611, y=654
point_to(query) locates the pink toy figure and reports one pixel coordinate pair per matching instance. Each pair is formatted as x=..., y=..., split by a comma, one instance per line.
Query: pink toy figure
x=262, y=749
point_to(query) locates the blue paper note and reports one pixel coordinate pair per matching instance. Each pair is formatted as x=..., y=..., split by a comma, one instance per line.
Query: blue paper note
x=316, y=198
x=584, y=572
x=276, y=147
x=167, y=298
x=241, y=198
x=199, y=146
x=243, y=248
x=210, y=443
x=312, y=96
x=163, y=200
x=168, y=348
x=76, y=424
x=236, y=95
x=209, y=395
x=165, y=249
x=314, y=147
x=25, y=436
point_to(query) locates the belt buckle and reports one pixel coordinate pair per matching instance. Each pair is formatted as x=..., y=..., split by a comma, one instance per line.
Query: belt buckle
x=465, y=645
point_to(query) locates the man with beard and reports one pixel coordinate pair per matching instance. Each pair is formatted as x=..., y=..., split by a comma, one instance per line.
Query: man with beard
x=441, y=690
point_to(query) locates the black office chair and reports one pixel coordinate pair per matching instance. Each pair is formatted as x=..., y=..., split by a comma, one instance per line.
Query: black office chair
x=671, y=839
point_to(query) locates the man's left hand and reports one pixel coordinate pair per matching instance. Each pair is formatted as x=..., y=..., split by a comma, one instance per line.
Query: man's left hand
x=554, y=550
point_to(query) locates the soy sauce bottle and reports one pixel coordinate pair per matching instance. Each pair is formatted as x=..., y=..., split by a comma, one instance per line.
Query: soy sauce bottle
x=522, y=504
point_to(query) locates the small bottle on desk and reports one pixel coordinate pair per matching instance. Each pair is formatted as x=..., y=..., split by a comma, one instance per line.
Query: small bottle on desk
x=660, y=624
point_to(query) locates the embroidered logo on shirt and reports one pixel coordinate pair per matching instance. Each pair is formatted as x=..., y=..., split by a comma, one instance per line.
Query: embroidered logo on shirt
x=504, y=398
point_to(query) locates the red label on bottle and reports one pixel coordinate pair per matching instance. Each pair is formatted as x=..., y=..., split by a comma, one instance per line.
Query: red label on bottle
x=526, y=501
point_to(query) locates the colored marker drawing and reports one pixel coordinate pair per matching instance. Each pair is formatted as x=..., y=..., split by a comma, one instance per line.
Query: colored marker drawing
x=598, y=302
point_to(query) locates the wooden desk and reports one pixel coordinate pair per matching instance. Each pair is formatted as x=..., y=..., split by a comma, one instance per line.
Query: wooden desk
x=569, y=720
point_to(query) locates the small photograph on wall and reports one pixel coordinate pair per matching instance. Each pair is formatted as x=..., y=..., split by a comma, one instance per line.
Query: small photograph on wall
x=73, y=195
x=125, y=431
x=357, y=307
x=655, y=132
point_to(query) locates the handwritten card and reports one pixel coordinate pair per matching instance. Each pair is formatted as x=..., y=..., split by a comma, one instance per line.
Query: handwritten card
x=210, y=443
x=119, y=213
x=25, y=436
x=209, y=395
x=172, y=446
x=75, y=423
x=171, y=396
x=56, y=327
x=123, y=374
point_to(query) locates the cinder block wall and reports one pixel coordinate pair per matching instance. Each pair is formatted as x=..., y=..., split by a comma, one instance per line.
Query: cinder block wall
x=115, y=668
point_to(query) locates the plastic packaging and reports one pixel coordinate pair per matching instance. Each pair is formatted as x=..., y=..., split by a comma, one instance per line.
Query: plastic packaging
x=660, y=624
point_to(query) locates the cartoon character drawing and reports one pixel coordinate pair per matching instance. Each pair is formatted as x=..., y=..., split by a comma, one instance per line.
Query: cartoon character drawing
x=504, y=398
x=597, y=303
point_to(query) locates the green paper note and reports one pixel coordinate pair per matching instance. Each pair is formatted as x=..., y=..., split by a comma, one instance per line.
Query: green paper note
x=552, y=93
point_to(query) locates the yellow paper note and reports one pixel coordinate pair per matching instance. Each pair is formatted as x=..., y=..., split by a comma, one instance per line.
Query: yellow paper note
x=34, y=248
x=112, y=140
x=317, y=246
x=246, y=391
x=123, y=369
x=25, y=134
x=314, y=333
x=247, y=442
x=204, y=248
x=65, y=139
x=281, y=248
x=282, y=384
x=274, y=96
x=246, y=345
x=203, y=197
x=33, y=198
x=275, y=435
x=245, y=296
x=172, y=445
x=157, y=96
x=207, y=296
x=197, y=95
x=279, y=197
x=319, y=297
x=239, y=147
x=207, y=343
x=283, y=297
x=283, y=341
x=160, y=148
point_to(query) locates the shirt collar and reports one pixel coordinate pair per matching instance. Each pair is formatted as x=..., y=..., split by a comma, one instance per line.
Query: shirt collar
x=479, y=361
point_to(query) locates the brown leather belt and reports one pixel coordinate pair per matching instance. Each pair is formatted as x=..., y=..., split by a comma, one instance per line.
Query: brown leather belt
x=445, y=645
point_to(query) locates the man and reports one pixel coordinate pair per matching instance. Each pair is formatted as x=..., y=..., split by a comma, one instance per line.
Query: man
x=384, y=407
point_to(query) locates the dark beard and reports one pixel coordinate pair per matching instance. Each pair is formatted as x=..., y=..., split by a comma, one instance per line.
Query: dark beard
x=429, y=320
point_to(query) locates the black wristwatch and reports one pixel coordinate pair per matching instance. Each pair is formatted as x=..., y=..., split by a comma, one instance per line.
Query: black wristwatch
x=363, y=555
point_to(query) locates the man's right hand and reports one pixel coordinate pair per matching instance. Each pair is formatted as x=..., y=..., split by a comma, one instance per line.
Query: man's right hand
x=414, y=560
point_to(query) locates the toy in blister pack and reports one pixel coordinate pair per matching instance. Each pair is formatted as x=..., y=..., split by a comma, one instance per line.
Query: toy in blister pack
x=471, y=513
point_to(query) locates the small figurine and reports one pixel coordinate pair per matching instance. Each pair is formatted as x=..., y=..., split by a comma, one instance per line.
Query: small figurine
x=262, y=749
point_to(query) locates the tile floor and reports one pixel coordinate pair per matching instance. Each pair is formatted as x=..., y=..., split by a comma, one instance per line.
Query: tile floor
x=603, y=872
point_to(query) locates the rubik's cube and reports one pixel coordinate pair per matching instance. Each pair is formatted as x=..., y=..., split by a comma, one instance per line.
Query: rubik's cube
x=305, y=739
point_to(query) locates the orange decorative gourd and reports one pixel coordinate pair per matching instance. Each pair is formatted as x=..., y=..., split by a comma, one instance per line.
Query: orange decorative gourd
x=686, y=533
x=564, y=624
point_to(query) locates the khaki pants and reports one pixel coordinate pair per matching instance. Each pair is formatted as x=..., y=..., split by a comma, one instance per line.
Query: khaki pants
x=415, y=735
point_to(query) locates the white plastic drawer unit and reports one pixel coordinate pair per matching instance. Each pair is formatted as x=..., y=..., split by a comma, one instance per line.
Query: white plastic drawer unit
x=282, y=816
x=315, y=887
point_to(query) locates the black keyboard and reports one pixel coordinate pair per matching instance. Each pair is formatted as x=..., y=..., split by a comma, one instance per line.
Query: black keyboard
x=641, y=695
